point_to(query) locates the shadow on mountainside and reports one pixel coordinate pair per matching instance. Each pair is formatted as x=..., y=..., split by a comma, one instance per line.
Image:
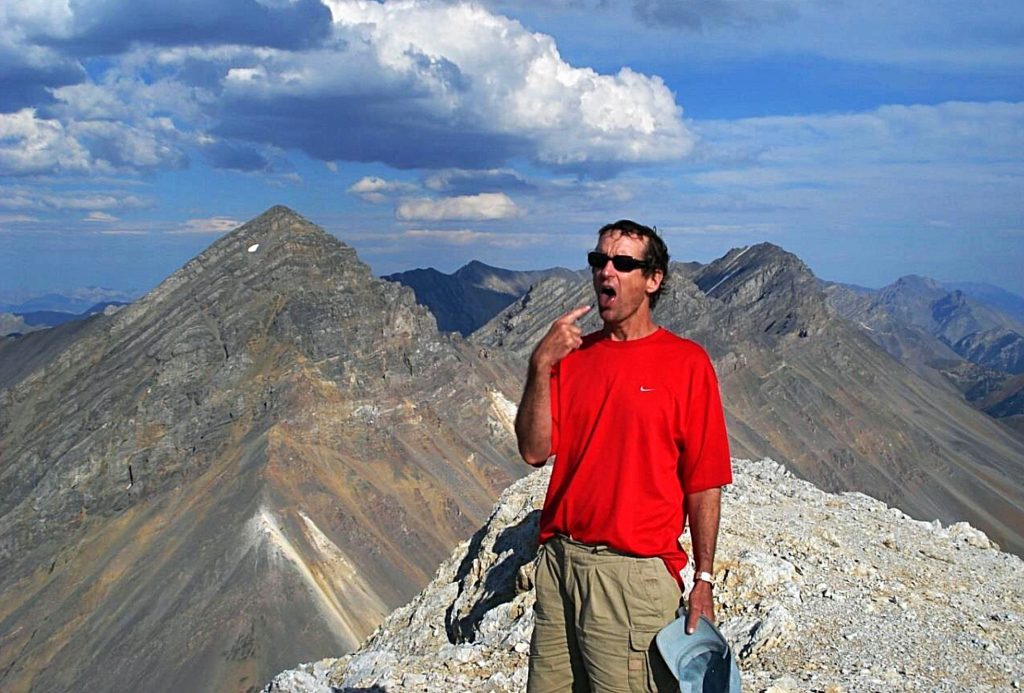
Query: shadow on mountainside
x=515, y=546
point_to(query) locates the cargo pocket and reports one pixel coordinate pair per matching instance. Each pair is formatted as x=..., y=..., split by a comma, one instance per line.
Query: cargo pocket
x=648, y=672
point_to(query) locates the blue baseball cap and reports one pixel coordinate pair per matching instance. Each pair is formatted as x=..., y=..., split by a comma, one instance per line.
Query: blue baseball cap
x=702, y=661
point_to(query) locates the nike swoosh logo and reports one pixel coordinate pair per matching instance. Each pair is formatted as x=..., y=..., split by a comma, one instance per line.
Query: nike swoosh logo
x=646, y=389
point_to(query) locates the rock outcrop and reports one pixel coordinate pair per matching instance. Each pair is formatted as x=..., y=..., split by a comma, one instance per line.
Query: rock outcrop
x=817, y=592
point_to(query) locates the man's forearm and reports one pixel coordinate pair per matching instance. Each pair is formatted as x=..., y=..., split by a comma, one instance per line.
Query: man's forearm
x=703, y=509
x=533, y=420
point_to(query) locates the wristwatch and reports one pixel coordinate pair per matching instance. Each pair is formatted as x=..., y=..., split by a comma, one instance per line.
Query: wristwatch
x=704, y=576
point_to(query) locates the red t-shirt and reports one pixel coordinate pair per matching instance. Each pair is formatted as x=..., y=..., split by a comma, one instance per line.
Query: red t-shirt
x=636, y=425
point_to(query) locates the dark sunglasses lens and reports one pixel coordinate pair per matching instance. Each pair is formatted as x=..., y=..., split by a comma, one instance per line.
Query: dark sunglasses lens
x=621, y=263
x=624, y=263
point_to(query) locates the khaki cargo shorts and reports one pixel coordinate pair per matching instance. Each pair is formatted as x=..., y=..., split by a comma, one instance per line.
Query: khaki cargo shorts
x=596, y=616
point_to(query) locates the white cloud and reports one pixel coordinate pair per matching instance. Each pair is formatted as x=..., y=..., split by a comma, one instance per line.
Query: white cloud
x=485, y=206
x=469, y=68
x=377, y=190
x=209, y=225
x=100, y=217
x=34, y=145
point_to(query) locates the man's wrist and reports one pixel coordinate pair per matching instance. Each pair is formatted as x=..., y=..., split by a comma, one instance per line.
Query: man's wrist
x=703, y=576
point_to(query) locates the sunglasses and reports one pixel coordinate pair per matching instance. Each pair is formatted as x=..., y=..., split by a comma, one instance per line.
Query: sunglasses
x=621, y=263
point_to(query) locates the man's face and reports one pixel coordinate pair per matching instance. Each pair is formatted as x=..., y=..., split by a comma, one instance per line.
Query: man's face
x=620, y=295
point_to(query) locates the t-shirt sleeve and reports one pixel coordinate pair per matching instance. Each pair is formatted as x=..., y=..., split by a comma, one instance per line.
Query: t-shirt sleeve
x=554, y=409
x=705, y=461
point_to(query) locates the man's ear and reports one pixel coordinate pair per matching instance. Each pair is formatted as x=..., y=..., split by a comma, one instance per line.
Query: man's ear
x=654, y=281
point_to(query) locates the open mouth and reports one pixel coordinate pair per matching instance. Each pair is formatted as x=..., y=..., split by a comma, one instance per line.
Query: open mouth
x=605, y=296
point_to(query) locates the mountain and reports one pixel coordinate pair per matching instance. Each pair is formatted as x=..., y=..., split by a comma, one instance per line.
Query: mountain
x=944, y=336
x=992, y=296
x=472, y=295
x=815, y=592
x=246, y=468
x=972, y=330
x=23, y=323
x=75, y=301
x=802, y=384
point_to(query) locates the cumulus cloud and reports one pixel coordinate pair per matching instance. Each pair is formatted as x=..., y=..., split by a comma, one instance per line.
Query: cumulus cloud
x=377, y=190
x=29, y=70
x=30, y=144
x=422, y=83
x=410, y=83
x=482, y=207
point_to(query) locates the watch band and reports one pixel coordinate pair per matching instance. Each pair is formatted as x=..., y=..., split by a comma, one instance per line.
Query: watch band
x=704, y=576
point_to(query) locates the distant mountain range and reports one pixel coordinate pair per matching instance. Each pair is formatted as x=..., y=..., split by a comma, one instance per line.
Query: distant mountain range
x=464, y=300
x=945, y=337
x=991, y=296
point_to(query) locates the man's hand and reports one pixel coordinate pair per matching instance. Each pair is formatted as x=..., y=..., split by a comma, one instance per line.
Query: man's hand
x=702, y=602
x=564, y=337
x=533, y=420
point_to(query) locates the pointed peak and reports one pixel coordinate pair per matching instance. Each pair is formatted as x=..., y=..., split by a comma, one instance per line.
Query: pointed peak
x=279, y=219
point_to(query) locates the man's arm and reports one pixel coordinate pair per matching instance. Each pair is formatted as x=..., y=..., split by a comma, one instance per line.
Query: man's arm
x=703, y=509
x=533, y=420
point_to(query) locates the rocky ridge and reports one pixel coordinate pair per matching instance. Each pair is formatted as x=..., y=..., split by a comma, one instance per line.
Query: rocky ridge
x=817, y=592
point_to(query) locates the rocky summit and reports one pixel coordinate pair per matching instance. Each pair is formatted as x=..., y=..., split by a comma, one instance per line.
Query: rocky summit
x=816, y=592
x=247, y=468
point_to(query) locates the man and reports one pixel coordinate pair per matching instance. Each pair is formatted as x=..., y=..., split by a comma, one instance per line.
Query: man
x=633, y=418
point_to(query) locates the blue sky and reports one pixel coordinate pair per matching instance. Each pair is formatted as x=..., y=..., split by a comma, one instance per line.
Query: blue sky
x=871, y=138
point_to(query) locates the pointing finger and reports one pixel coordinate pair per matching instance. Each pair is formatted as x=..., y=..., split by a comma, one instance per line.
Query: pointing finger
x=574, y=314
